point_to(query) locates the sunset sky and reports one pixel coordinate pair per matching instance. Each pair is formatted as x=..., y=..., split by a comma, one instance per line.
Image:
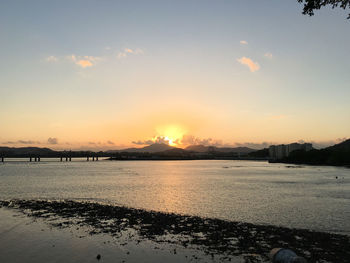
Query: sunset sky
x=114, y=74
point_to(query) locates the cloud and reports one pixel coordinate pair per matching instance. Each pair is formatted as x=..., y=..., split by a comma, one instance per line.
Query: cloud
x=27, y=142
x=192, y=140
x=268, y=55
x=243, y=42
x=22, y=142
x=51, y=59
x=110, y=142
x=145, y=142
x=186, y=140
x=83, y=61
x=121, y=55
x=129, y=51
x=253, y=66
x=157, y=139
x=52, y=140
x=8, y=142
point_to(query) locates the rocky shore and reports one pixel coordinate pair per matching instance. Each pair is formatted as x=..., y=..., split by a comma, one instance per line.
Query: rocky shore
x=213, y=236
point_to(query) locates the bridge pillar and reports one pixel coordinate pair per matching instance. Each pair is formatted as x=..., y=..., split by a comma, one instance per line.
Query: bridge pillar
x=66, y=159
x=93, y=158
x=30, y=159
x=96, y=158
x=2, y=159
x=87, y=158
x=35, y=159
x=61, y=159
x=70, y=159
x=38, y=159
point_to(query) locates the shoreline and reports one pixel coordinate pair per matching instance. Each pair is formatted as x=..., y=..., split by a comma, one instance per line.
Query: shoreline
x=212, y=236
x=309, y=164
x=25, y=239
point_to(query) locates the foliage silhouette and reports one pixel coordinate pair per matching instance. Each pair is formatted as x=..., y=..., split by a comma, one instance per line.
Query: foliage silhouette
x=311, y=5
x=338, y=155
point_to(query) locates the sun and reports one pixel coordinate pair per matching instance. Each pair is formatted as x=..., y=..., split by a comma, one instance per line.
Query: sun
x=171, y=133
x=170, y=141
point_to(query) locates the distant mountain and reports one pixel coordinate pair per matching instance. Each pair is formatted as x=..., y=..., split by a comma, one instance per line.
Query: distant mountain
x=153, y=148
x=205, y=149
x=197, y=148
x=343, y=146
x=161, y=147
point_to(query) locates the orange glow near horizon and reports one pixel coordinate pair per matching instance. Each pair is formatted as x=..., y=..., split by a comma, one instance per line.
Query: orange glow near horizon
x=173, y=133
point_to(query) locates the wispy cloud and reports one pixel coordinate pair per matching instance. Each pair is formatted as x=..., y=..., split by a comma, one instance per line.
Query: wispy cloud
x=193, y=140
x=22, y=142
x=52, y=59
x=91, y=61
x=129, y=51
x=253, y=66
x=52, y=140
x=268, y=55
x=144, y=142
x=243, y=42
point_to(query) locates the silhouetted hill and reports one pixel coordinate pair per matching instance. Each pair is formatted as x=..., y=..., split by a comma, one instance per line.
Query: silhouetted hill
x=197, y=148
x=338, y=155
x=22, y=152
x=25, y=151
x=206, y=149
x=153, y=148
x=263, y=153
x=343, y=146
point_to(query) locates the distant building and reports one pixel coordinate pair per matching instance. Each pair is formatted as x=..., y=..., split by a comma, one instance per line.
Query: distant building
x=283, y=150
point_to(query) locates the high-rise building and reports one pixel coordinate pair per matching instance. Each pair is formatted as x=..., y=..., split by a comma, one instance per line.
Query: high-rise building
x=283, y=150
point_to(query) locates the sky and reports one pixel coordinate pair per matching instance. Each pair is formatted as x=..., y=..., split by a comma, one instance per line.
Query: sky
x=114, y=74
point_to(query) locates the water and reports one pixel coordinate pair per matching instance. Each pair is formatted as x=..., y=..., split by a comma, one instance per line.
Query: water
x=257, y=192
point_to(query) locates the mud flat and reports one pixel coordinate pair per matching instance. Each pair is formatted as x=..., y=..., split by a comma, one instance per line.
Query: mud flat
x=192, y=238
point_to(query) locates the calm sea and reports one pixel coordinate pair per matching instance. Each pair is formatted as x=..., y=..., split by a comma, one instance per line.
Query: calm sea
x=310, y=197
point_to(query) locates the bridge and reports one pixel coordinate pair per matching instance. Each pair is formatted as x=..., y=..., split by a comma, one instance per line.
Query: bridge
x=60, y=158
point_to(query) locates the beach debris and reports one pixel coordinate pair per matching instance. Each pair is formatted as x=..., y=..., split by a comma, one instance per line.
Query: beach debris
x=98, y=257
x=220, y=237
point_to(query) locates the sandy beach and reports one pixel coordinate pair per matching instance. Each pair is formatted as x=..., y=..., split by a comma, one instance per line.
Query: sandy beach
x=56, y=231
